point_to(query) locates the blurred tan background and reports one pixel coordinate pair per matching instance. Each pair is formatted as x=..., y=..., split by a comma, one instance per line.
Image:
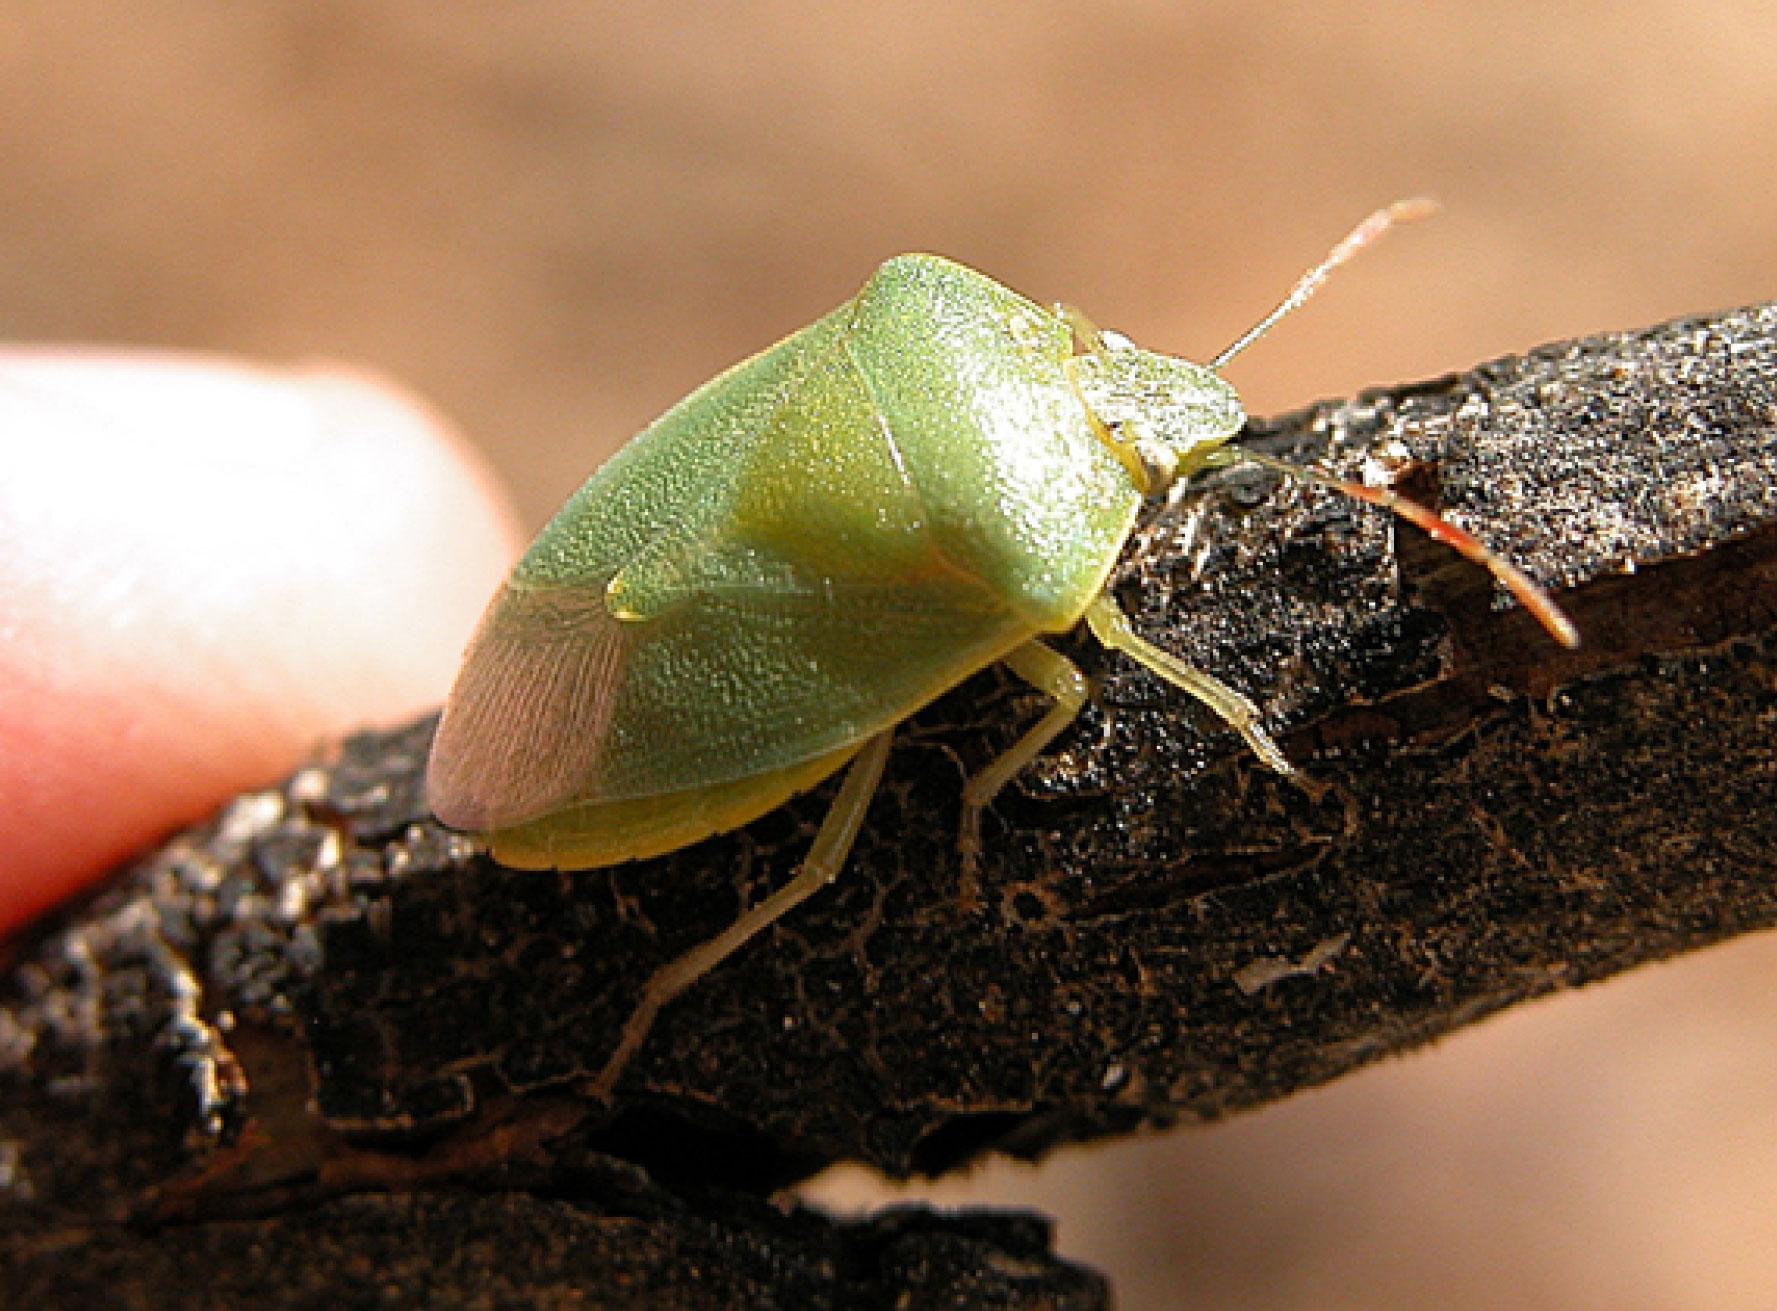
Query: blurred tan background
x=554, y=218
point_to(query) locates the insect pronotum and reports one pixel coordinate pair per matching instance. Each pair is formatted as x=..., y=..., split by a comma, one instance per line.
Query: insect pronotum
x=755, y=590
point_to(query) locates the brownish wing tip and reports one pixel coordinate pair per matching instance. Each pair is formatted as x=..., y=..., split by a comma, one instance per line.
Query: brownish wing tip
x=521, y=733
x=450, y=793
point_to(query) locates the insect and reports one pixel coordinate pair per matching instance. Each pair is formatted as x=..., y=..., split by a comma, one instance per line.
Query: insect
x=754, y=591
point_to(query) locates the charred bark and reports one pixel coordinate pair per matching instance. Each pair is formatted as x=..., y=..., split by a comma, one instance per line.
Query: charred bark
x=326, y=1021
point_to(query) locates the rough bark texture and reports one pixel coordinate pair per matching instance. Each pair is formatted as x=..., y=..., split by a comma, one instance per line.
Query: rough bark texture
x=319, y=1050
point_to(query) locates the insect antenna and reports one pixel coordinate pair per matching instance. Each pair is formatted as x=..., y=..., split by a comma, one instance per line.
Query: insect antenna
x=1402, y=211
x=1530, y=594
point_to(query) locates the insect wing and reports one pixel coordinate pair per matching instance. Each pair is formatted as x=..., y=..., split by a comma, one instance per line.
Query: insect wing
x=779, y=606
x=525, y=721
x=805, y=610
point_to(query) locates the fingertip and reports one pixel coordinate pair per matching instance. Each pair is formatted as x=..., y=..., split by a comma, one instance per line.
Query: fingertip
x=209, y=568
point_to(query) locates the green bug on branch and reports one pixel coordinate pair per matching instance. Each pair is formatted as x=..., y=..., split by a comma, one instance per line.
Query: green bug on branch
x=811, y=547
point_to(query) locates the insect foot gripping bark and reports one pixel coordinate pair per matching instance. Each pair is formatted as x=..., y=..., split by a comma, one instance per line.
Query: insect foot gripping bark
x=761, y=585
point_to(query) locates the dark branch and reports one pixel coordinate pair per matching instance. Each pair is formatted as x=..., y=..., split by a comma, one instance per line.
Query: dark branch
x=1163, y=929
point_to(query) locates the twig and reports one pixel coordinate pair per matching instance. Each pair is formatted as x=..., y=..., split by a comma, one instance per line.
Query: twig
x=322, y=996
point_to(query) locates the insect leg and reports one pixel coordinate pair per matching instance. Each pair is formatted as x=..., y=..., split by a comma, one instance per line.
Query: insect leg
x=1048, y=671
x=826, y=857
x=1111, y=626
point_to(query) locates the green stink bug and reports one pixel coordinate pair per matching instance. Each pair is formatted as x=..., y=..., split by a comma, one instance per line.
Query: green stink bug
x=808, y=549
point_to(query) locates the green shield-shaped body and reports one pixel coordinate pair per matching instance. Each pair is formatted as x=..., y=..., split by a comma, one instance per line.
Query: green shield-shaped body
x=797, y=556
